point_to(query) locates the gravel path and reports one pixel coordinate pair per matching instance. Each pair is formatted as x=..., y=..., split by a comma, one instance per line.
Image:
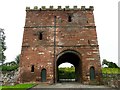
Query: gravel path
x=69, y=86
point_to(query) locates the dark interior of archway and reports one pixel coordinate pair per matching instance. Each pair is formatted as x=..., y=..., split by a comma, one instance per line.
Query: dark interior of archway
x=73, y=59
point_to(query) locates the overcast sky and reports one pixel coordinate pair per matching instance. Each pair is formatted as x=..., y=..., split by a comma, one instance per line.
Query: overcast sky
x=12, y=19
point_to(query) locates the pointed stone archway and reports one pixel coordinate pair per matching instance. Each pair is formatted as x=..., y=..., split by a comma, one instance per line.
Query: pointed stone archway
x=72, y=57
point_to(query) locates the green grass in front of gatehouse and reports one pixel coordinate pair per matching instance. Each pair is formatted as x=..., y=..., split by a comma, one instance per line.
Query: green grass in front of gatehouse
x=18, y=86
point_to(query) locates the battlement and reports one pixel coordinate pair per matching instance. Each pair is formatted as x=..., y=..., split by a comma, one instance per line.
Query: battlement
x=83, y=8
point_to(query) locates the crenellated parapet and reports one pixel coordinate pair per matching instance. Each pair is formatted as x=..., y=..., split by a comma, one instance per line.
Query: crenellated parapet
x=91, y=8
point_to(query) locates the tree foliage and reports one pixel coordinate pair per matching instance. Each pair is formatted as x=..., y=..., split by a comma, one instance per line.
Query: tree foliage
x=11, y=66
x=2, y=46
x=17, y=59
x=109, y=64
x=8, y=68
x=66, y=73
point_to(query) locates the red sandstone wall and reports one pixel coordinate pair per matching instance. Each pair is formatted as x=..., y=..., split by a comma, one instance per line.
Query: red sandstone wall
x=79, y=35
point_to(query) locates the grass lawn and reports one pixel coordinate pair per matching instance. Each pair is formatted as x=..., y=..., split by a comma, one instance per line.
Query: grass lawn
x=17, y=87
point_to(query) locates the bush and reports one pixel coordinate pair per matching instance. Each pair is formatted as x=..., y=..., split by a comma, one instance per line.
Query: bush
x=66, y=73
x=111, y=70
x=8, y=68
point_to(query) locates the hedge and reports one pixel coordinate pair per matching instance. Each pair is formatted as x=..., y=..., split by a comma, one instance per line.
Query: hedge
x=8, y=68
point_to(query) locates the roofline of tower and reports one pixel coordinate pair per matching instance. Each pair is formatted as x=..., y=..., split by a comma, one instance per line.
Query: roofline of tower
x=43, y=8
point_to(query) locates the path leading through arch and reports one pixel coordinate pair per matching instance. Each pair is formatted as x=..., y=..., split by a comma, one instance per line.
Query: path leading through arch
x=70, y=86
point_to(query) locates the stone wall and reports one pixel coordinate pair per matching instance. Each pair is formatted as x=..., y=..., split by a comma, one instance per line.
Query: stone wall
x=8, y=78
x=112, y=83
x=112, y=80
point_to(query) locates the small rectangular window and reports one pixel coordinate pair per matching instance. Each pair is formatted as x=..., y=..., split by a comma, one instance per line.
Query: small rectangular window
x=69, y=18
x=40, y=36
x=88, y=41
x=32, y=68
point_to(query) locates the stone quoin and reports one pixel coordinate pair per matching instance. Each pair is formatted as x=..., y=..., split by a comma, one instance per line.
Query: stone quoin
x=53, y=36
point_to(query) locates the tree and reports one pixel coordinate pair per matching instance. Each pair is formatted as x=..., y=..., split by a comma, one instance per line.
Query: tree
x=109, y=64
x=17, y=59
x=112, y=65
x=105, y=62
x=2, y=46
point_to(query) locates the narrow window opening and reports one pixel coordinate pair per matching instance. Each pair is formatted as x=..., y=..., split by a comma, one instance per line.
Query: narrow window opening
x=89, y=42
x=32, y=68
x=40, y=36
x=69, y=18
x=87, y=22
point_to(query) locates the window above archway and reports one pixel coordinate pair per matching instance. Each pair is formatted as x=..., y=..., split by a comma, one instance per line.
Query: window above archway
x=40, y=36
x=70, y=15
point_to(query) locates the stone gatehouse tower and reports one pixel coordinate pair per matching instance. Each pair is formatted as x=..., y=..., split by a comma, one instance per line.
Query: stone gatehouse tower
x=54, y=36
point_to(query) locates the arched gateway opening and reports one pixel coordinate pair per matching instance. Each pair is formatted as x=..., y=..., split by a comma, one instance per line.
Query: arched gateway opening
x=72, y=57
x=66, y=72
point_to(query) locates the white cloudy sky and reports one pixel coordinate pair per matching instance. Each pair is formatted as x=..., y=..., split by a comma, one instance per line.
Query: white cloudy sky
x=12, y=19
